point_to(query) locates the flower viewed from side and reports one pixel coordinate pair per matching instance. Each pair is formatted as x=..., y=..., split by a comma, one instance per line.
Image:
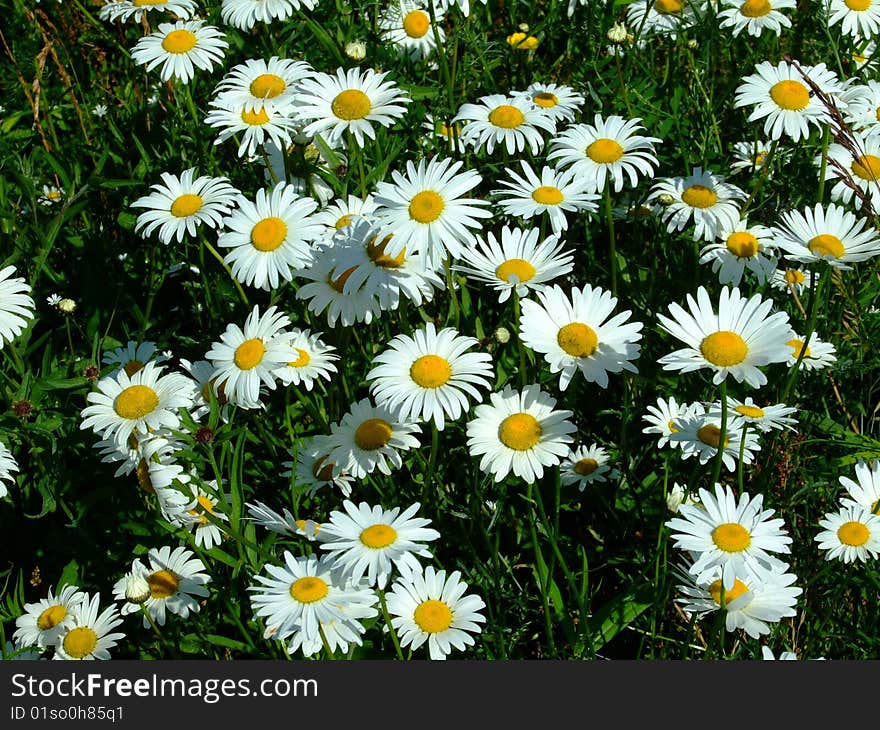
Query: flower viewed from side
x=833, y=235
x=663, y=419
x=866, y=490
x=817, y=354
x=700, y=435
x=8, y=465
x=855, y=172
x=314, y=360
x=435, y=608
x=16, y=305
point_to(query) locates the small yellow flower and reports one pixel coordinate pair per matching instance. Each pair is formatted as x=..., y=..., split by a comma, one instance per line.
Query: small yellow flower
x=522, y=42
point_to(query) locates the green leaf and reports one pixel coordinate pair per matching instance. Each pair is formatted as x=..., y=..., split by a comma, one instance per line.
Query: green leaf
x=69, y=576
x=617, y=614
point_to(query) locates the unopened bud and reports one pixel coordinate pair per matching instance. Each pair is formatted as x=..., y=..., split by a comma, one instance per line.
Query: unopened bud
x=502, y=335
x=356, y=50
x=617, y=33
x=665, y=199
x=137, y=590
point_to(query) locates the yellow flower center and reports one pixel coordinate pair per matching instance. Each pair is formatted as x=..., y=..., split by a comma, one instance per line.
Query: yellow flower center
x=186, y=205
x=51, y=617
x=520, y=268
x=797, y=346
x=80, y=642
x=426, y=206
x=750, y=411
x=742, y=244
x=378, y=536
x=520, y=432
x=826, y=245
x=858, y=5
x=585, y=467
x=853, y=534
x=163, y=584
x=604, y=151
x=755, y=8
x=136, y=401
x=351, y=104
x=132, y=366
x=339, y=283
x=142, y=3
x=731, y=537
x=506, y=116
x=323, y=471
x=547, y=195
x=301, y=361
x=268, y=234
x=877, y=111
x=143, y=476
x=430, y=371
x=545, y=99
x=376, y=252
x=255, y=119
x=344, y=221
x=699, y=196
x=577, y=339
x=724, y=348
x=790, y=95
x=794, y=276
x=739, y=588
x=249, y=353
x=432, y=616
x=207, y=506
x=416, y=23
x=711, y=436
x=667, y=7
x=670, y=424
x=867, y=167
x=267, y=86
x=373, y=434
x=759, y=158
x=308, y=590
x=179, y=41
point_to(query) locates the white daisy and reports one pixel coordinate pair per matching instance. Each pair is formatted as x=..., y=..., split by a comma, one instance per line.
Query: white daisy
x=8, y=465
x=861, y=171
x=338, y=634
x=206, y=501
x=739, y=248
x=575, y=333
x=177, y=582
x=428, y=376
x=371, y=541
x=406, y=25
x=700, y=435
x=16, y=305
x=435, y=608
x=51, y=194
x=514, y=122
x=663, y=419
x=314, y=359
x=833, y=235
x=520, y=432
x=817, y=354
x=133, y=356
x=88, y=635
x=792, y=279
x=258, y=83
x=266, y=125
x=659, y=17
x=857, y=18
x=866, y=491
x=180, y=48
x=270, y=239
x=764, y=418
x=518, y=262
x=42, y=622
x=606, y=152
x=344, y=212
x=740, y=338
x=734, y=535
x=851, y=534
x=204, y=390
x=244, y=14
x=585, y=465
x=755, y=16
x=271, y=520
x=134, y=10
x=182, y=203
x=752, y=156
x=561, y=103
x=314, y=470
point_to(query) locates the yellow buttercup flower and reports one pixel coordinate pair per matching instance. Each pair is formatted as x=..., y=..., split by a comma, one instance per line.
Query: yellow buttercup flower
x=522, y=42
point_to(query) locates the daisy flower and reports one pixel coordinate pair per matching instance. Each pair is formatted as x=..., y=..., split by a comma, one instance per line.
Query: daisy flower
x=700, y=435
x=520, y=432
x=180, y=48
x=560, y=103
x=863, y=55
x=607, y=152
x=16, y=305
x=862, y=171
x=739, y=248
x=575, y=333
x=831, y=234
x=752, y=156
x=445, y=130
x=256, y=128
x=302, y=594
x=247, y=357
x=659, y=17
x=203, y=378
x=755, y=16
x=133, y=357
x=703, y=196
x=756, y=599
x=585, y=465
x=244, y=14
x=866, y=491
x=740, y=338
x=518, y=262
x=179, y=204
x=351, y=101
x=134, y=10
x=314, y=359
x=271, y=520
x=314, y=470
x=270, y=238
x=851, y=534
x=8, y=465
x=734, y=535
x=425, y=211
x=764, y=418
x=435, y=608
x=553, y=193
x=790, y=279
x=857, y=18
x=207, y=533
x=44, y=621
x=779, y=95
x=428, y=376
x=370, y=437
x=862, y=106
x=514, y=122
x=817, y=354
x=51, y=194
x=177, y=582
x=88, y=635
x=767, y=655
x=663, y=419
x=144, y=402
x=257, y=83
x=406, y=25
x=344, y=212
x=372, y=541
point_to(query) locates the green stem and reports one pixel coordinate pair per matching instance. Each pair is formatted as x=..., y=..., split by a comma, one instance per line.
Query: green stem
x=216, y=254
x=826, y=137
x=539, y=562
x=740, y=467
x=811, y=326
x=454, y=309
x=523, y=381
x=330, y=655
x=387, y=617
x=716, y=472
x=612, y=240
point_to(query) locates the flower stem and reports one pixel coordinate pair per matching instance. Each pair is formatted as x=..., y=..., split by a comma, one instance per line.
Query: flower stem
x=387, y=618
x=612, y=241
x=742, y=453
x=716, y=472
